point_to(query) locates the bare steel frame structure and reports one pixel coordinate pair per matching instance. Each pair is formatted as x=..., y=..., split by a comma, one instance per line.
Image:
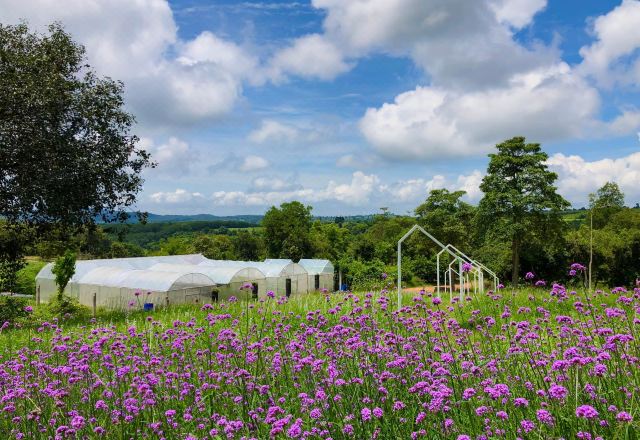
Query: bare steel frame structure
x=477, y=269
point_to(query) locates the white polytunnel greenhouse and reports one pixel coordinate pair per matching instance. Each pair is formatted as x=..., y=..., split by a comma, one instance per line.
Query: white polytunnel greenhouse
x=240, y=282
x=118, y=288
x=321, y=275
x=45, y=280
x=175, y=279
x=283, y=277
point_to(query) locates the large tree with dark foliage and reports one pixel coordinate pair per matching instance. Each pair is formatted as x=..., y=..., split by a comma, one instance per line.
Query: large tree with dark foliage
x=445, y=215
x=287, y=231
x=607, y=201
x=520, y=200
x=67, y=154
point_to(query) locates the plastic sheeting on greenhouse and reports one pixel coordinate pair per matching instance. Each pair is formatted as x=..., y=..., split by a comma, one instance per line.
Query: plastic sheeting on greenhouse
x=283, y=277
x=162, y=280
x=231, y=280
x=321, y=274
x=85, y=266
x=45, y=280
x=116, y=287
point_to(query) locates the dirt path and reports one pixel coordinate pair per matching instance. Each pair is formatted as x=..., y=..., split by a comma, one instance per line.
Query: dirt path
x=430, y=289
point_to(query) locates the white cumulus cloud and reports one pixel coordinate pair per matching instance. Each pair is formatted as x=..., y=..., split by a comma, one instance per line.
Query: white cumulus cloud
x=613, y=57
x=356, y=193
x=518, y=13
x=173, y=157
x=310, y=56
x=432, y=122
x=179, y=196
x=579, y=177
x=253, y=163
x=274, y=131
x=168, y=81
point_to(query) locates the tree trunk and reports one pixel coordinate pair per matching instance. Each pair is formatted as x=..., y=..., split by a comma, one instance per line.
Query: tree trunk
x=515, y=261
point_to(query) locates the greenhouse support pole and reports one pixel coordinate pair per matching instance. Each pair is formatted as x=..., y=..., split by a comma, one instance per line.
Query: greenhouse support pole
x=38, y=295
x=400, y=272
x=438, y=273
x=93, y=303
x=451, y=281
x=461, y=281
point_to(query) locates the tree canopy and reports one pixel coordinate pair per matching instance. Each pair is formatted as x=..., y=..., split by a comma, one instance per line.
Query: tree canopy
x=519, y=196
x=67, y=154
x=287, y=231
x=605, y=202
x=445, y=215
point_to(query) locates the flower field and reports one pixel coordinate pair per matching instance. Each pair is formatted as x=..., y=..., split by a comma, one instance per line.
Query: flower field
x=537, y=363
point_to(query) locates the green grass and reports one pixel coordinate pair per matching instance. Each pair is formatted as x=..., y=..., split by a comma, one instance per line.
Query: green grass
x=26, y=283
x=297, y=305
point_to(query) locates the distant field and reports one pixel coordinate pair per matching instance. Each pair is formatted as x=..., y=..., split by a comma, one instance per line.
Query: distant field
x=145, y=234
x=577, y=217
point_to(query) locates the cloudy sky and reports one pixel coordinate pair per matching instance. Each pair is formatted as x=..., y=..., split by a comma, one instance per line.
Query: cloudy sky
x=351, y=105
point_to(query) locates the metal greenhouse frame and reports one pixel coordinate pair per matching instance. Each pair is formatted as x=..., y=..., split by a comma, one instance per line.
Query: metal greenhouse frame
x=459, y=257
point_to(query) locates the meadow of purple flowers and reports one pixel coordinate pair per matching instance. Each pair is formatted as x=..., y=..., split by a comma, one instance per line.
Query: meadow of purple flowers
x=526, y=364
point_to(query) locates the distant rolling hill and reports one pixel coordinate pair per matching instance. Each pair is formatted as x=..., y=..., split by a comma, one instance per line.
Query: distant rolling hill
x=164, y=218
x=177, y=218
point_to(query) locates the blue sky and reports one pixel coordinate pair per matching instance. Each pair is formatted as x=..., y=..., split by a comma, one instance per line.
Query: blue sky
x=354, y=105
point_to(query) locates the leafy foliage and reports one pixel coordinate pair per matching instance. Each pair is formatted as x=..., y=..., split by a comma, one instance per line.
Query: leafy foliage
x=26, y=277
x=66, y=151
x=145, y=235
x=248, y=246
x=616, y=247
x=13, y=238
x=216, y=247
x=287, y=231
x=606, y=202
x=519, y=196
x=12, y=308
x=447, y=217
x=63, y=269
x=61, y=306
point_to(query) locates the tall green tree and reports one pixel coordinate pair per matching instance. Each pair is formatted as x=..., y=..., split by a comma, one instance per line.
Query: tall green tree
x=287, y=231
x=67, y=154
x=248, y=246
x=216, y=247
x=520, y=199
x=605, y=202
x=445, y=215
x=63, y=269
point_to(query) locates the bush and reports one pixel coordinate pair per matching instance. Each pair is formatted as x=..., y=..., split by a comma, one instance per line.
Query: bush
x=26, y=282
x=362, y=276
x=12, y=308
x=62, y=305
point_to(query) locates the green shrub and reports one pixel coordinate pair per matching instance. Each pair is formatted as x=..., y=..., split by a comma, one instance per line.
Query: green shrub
x=12, y=308
x=62, y=305
x=26, y=282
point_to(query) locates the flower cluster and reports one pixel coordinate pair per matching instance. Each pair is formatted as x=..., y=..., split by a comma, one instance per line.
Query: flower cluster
x=513, y=365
